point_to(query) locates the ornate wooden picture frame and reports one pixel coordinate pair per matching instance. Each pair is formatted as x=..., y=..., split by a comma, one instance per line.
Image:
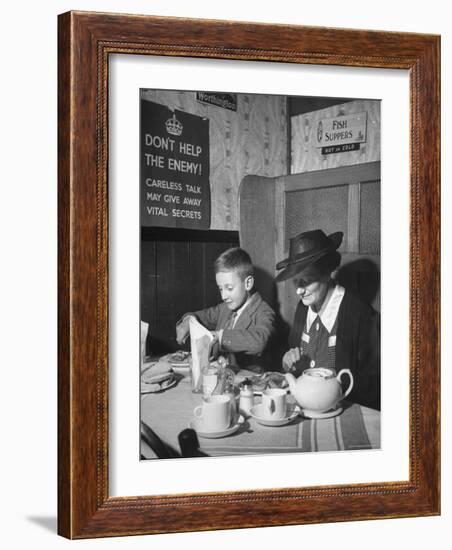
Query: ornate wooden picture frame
x=86, y=40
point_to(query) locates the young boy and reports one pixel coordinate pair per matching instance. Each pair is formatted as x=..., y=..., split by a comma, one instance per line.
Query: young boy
x=243, y=322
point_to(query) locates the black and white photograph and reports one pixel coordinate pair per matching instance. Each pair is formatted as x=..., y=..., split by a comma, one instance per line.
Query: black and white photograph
x=260, y=220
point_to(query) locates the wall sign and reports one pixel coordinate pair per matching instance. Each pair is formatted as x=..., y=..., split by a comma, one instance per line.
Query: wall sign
x=226, y=101
x=344, y=148
x=340, y=130
x=174, y=178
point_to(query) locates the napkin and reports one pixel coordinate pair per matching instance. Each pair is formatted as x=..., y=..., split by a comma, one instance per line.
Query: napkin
x=201, y=341
x=143, y=337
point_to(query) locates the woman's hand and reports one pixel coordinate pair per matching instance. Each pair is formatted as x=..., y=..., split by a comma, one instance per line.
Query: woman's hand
x=290, y=358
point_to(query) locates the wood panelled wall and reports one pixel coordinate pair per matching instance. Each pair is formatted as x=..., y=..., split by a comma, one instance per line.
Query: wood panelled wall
x=305, y=157
x=177, y=276
x=251, y=140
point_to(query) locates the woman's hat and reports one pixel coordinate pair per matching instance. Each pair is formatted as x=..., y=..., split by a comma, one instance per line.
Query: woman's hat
x=305, y=249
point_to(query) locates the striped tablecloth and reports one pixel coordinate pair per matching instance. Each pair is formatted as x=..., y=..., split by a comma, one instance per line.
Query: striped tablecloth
x=169, y=412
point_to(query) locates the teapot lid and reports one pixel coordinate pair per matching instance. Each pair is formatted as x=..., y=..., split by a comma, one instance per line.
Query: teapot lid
x=320, y=372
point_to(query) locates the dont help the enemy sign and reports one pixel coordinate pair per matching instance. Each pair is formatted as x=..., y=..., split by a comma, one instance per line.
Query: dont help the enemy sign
x=175, y=189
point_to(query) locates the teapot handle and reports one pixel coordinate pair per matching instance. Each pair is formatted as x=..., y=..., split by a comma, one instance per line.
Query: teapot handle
x=349, y=372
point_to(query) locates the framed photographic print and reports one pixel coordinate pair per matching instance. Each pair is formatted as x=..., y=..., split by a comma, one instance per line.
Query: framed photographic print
x=334, y=173
x=248, y=275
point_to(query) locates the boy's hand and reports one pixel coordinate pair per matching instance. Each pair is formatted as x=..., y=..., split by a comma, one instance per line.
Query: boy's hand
x=214, y=346
x=183, y=330
x=290, y=358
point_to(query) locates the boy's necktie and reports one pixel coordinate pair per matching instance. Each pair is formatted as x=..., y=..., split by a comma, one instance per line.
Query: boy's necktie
x=231, y=320
x=229, y=325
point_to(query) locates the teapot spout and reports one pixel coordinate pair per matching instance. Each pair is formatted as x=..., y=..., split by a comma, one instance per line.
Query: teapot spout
x=292, y=381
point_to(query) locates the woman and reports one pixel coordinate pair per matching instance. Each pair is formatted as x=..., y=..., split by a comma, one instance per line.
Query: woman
x=332, y=327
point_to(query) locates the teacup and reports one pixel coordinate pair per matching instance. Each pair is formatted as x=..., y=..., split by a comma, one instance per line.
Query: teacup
x=214, y=414
x=274, y=404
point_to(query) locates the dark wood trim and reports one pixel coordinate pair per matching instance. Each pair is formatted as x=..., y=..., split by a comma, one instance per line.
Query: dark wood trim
x=177, y=234
x=342, y=175
x=85, y=42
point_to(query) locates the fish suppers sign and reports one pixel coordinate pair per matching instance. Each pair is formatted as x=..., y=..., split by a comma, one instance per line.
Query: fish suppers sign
x=175, y=188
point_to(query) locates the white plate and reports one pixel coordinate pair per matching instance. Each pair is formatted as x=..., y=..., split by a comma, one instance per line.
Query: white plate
x=181, y=367
x=194, y=425
x=174, y=358
x=152, y=388
x=294, y=411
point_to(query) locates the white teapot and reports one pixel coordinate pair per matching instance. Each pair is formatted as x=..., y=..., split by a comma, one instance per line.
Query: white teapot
x=318, y=389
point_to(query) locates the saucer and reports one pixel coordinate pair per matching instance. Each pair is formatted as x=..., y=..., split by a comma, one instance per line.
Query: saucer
x=194, y=425
x=293, y=411
x=318, y=415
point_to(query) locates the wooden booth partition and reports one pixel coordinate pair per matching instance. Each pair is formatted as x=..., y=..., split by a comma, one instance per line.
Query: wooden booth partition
x=177, y=276
x=272, y=210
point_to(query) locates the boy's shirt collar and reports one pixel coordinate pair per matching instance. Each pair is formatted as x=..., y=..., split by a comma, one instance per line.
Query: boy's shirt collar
x=239, y=311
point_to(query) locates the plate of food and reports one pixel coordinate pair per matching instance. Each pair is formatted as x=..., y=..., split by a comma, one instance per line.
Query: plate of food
x=179, y=358
x=179, y=361
x=159, y=377
x=268, y=380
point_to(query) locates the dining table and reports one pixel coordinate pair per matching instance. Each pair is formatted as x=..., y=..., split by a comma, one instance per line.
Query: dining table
x=169, y=412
